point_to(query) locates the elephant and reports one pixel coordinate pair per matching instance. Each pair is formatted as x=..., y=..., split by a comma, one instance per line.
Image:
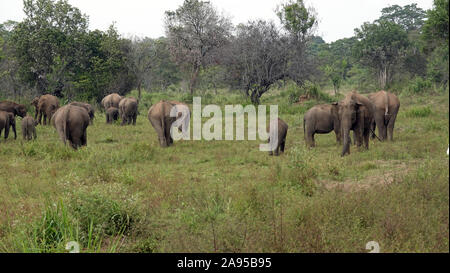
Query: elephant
x=112, y=113
x=128, y=110
x=7, y=120
x=34, y=103
x=46, y=106
x=281, y=138
x=111, y=100
x=88, y=108
x=161, y=120
x=356, y=113
x=15, y=108
x=387, y=106
x=321, y=119
x=71, y=122
x=28, y=128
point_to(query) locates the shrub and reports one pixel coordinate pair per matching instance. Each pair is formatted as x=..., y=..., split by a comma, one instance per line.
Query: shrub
x=99, y=214
x=419, y=112
x=419, y=86
x=309, y=90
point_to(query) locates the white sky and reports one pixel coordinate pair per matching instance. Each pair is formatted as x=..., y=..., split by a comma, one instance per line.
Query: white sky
x=338, y=18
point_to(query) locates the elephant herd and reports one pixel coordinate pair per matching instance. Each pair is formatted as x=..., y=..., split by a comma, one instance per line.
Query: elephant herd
x=355, y=112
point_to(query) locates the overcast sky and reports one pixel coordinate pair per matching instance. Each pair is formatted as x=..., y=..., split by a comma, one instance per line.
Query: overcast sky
x=337, y=18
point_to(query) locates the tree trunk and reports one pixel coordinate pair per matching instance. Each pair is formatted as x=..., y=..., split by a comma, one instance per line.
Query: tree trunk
x=194, y=79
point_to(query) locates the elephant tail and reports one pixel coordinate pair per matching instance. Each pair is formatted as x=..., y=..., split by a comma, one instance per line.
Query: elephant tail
x=304, y=128
x=386, y=108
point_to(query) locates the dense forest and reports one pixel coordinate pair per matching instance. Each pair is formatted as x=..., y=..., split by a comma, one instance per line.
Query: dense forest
x=53, y=51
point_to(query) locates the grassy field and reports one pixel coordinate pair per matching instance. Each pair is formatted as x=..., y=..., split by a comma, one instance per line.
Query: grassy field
x=123, y=193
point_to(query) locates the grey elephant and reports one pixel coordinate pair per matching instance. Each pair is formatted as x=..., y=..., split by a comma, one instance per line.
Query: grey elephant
x=111, y=100
x=321, y=119
x=161, y=120
x=128, y=110
x=112, y=114
x=7, y=120
x=14, y=108
x=46, y=107
x=28, y=128
x=387, y=106
x=88, y=108
x=281, y=135
x=71, y=123
x=356, y=113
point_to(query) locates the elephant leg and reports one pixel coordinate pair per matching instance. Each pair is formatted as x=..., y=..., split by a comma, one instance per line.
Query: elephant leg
x=310, y=138
x=366, y=137
x=283, y=143
x=134, y=119
x=373, y=126
x=338, y=137
x=156, y=123
x=390, y=127
x=277, y=150
x=45, y=119
x=167, y=135
x=84, y=138
x=39, y=119
x=270, y=152
x=379, y=120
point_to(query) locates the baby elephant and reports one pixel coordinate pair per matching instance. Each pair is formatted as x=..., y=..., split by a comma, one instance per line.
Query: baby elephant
x=278, y=139
x=7, y=120
x=112, y=114
x=29, y=128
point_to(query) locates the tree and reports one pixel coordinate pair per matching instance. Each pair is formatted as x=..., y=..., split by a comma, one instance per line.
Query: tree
x=46, y=43
x=141, y=60
x=380, y=46
x=436, y=37
x=300, y=23
x=194, y=30
x=257, y=58
x=409, y=17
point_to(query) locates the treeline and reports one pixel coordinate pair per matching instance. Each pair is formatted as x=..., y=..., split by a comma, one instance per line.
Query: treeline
x=53, y=51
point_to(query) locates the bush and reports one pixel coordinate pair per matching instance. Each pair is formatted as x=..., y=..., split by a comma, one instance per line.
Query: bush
x=99, y=214
x=419, y=86
x=309, y=90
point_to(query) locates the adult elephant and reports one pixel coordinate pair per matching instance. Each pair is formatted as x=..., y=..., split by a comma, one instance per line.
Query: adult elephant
x=160, y=117
x=88, y=107
x=34, y=103
x=112, y=100
x=355, y=113
x=6, y=121
x=387, y=106
x=71, y=122
x=14, y=108
x=128, y=110
x=321, y=119
x=47, y=106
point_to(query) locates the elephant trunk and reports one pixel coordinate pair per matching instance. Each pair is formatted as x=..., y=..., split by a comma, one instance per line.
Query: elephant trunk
x=345, y=132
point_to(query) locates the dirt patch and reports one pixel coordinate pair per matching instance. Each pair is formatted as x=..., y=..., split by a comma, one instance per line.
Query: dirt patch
x=388, y=172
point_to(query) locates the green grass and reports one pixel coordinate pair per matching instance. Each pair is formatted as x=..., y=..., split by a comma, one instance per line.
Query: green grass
x=123, y=193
